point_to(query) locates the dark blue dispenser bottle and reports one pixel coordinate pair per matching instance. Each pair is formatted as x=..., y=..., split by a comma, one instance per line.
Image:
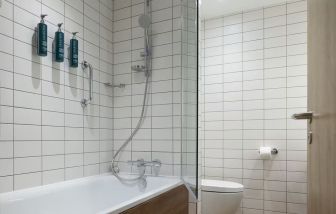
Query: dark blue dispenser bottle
x=74, y=51
x=42, y=37
x=59, y=44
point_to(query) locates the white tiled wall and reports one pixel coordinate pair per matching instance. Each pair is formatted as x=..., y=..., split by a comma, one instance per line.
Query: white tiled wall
x=254, y=77
x=160, y=134
x=45, y=135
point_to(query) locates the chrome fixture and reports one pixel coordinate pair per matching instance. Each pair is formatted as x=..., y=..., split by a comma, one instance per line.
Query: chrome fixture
x=121, y=85
x=139, y=68
x=85, y=101
x=142, y=164
x=144, y=22
x=303, y=116
x=274, y=151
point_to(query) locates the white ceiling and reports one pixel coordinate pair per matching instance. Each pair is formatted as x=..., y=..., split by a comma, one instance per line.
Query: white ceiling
x=215, y=8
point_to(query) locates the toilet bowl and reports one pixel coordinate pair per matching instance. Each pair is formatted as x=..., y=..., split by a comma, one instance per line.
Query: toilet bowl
x=221, y=197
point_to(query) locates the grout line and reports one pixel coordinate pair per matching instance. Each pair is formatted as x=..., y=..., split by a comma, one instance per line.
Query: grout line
x=13, y=129
x=113, y=90
x=83, y=91
x=132, y=94
x=172, y=106
x=286, y=105
x=242, y=100
x=223, y=95
x=264, y=105
x=99, y=145
x=41, y=156
x=64, y=118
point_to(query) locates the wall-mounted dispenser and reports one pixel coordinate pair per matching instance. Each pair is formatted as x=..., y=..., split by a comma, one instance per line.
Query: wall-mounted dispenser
x=42, y=37
x=74, y=51
x=59, y=44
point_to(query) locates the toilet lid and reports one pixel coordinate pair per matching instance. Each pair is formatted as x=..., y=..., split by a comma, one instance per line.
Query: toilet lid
x=221, y=186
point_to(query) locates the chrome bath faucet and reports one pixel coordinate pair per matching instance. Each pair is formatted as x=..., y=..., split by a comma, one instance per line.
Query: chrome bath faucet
x=142, y=164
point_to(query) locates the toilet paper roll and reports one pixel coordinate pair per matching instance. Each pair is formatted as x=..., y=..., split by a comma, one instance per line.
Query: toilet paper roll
x=265, y=152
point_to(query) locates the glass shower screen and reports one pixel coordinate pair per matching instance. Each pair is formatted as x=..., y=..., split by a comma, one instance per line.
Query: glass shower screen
x=189, y=61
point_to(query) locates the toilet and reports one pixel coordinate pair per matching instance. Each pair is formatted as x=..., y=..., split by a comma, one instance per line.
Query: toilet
x=221, y=197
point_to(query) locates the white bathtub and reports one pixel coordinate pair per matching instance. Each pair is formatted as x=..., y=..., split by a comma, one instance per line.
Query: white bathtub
x=97, y=194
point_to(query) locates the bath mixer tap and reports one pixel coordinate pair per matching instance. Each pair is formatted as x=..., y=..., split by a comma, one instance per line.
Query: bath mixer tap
x=142, y=164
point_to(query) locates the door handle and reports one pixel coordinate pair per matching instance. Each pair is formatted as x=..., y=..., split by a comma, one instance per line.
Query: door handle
x=310, y=137
x=303, y=116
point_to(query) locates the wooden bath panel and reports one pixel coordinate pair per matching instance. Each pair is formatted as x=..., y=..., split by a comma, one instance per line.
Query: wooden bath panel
x=174, y=201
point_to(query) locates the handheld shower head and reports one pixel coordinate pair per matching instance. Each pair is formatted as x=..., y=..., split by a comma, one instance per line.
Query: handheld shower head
x=144, y=21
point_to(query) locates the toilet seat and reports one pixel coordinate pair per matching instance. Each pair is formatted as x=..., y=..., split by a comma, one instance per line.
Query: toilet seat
x=221, y=186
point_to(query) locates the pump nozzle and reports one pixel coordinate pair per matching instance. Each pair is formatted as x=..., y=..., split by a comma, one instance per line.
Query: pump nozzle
x=74, y=34
x=42, y=17
x=59, y=27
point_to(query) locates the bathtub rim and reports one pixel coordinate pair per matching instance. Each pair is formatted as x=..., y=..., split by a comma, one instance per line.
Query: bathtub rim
x=114, y=209
x=144, y=197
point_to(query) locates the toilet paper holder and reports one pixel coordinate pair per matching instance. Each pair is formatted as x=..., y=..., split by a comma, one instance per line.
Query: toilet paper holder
x=274, y=151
